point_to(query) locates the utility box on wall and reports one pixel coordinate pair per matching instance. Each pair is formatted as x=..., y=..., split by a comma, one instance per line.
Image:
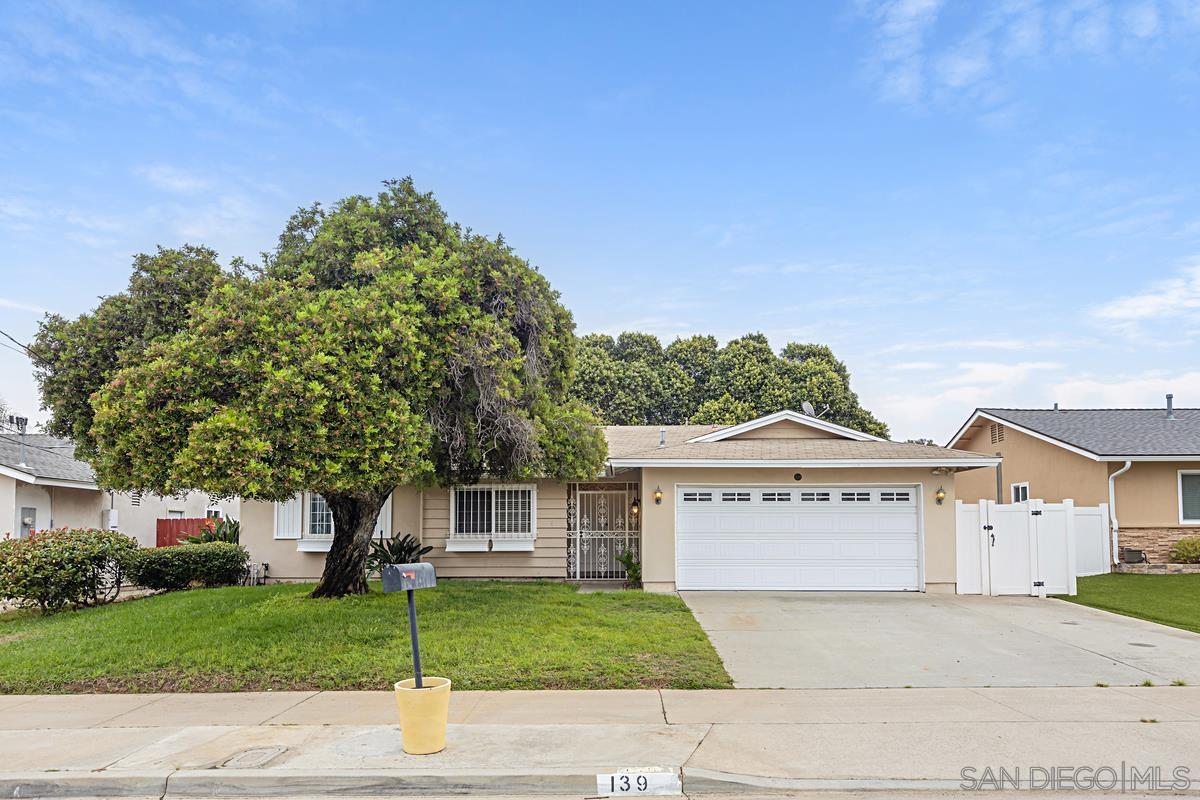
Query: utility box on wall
x=109, y=519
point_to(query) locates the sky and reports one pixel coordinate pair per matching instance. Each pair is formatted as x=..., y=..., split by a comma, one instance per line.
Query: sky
x=973, y=204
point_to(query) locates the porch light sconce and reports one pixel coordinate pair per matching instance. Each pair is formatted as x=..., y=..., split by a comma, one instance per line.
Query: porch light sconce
x=940, y=495
x=658, y=495
x=635, y=507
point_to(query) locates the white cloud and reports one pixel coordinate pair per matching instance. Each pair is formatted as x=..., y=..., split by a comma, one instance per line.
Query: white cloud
x=1175, y=297
x=1141, y=20
x=973, y=373
x=173, y=179
x=916, y=365
x=17, y=305
x=1147, y=390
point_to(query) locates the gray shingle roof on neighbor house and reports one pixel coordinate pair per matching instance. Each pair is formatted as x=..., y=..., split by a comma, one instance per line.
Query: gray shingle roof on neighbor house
x=45, y=457
x=1112, y=431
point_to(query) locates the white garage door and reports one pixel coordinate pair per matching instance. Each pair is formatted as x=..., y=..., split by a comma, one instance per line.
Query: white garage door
x=834, y=538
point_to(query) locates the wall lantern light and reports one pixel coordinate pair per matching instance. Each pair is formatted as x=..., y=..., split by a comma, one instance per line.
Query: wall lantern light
x=939, y=495
x=635, y=507
x=658, y=495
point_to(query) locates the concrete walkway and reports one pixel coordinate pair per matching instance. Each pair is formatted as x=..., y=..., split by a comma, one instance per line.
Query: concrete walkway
x=819, y=640
x=554, y=743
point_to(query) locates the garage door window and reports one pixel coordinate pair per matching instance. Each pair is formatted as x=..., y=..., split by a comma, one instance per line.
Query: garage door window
x=814, y=497
x=777, y=497
x=856, y=497
x=697, y=497
x=895, y=497
x=735, y=497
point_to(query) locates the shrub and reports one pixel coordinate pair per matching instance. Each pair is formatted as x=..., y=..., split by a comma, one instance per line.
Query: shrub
x=178, y=567
x=396, y=550
x=633, y=569
x=221, y=530
x=65, y=567
x=1186, y=551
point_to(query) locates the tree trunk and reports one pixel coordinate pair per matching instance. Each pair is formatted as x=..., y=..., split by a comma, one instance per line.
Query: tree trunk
x=354, y=518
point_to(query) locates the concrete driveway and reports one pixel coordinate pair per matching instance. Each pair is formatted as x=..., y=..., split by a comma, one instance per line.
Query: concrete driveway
x=825, y=640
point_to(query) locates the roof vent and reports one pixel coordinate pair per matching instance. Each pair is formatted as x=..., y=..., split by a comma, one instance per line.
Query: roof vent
x=662, y=437
x=1170, y=406
x=1056, y=405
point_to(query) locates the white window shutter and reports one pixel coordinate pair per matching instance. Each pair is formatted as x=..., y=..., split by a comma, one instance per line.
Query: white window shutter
x=288, y=518
x=383, y=523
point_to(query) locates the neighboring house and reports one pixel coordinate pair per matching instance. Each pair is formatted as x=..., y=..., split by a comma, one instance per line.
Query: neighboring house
x=787, y=501
x=43, y=486
x=1143, y=462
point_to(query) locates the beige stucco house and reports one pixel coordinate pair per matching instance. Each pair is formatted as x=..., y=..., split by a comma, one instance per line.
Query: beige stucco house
x=788, y=501
x=43, y=486
x=1143, y=462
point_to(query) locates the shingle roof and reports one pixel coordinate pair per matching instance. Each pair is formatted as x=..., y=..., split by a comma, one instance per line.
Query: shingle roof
x=641, y=443
x=45, y=457
x=1112, y=431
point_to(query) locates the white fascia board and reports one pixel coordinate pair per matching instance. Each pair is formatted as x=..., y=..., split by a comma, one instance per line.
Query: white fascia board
x=932, y=463
x=26, y=477
x=792, y=416
x=1150, y=458
x=1034, y=434
x=959, y=434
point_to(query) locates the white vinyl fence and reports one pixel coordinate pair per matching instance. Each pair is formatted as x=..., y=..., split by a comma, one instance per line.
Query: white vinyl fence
x=1030, y=548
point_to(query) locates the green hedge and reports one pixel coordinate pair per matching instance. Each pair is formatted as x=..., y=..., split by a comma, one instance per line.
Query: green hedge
x=208, y=564
x=1186, y=551
x=65, y=567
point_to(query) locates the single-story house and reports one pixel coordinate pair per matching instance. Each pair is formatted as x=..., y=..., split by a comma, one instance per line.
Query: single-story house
x=787, y=501
x=1143, y=462
x=43, y=486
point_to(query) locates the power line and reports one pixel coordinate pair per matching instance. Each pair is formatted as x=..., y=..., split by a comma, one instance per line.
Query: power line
x=15, y=341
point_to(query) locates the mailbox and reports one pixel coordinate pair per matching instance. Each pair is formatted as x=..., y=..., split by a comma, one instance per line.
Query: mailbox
x=406, y=577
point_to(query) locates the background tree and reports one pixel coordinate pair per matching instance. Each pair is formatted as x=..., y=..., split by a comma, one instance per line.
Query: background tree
x=633, y=380
x=378, y=345
x=74, y=358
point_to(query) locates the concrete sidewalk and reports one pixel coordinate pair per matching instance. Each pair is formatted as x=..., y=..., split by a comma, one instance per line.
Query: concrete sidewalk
x=554, y=743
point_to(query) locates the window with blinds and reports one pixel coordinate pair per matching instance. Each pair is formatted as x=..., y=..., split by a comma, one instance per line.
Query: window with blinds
x=320, y=517
x=1189, y=496
x=503, y=516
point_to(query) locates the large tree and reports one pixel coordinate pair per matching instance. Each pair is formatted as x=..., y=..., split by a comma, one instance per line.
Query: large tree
x=634, y=380
x=74, y=357
x=378, y=345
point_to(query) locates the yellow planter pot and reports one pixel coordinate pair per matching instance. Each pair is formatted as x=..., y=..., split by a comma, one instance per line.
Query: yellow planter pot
x=423, y=714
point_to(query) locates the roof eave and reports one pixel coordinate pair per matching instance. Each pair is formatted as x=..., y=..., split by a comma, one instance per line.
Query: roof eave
x=779, y=416
x=807, y=463
x=1028, y=432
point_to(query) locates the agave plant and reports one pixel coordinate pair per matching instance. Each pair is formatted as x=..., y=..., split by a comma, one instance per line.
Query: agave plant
x=396, y=550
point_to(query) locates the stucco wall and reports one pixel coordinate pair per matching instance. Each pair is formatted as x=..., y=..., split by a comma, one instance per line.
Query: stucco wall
x=658, y=521
x=140, y=521
x=76, y=508
x=9, y=526
x=1148, y=494
x=38, y=498
x=1053, y=473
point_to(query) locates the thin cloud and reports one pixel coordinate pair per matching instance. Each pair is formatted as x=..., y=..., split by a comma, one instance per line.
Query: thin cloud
x=173, y=179
x=17, y=305
x=1172, y=298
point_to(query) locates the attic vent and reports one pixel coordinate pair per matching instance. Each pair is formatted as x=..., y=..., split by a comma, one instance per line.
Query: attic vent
x=135, y=498
x=997, y=433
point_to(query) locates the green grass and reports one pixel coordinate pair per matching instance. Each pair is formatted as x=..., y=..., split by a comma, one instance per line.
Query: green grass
x=1169, y=599
x=491, y=635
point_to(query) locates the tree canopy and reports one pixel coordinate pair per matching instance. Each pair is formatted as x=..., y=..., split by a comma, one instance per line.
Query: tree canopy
x=634, y=380
x=378, y=345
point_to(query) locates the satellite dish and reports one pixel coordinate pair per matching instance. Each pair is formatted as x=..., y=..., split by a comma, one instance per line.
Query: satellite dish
x=808, y=409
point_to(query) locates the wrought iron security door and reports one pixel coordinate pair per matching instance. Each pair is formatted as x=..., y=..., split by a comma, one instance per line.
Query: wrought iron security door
x=600, y=527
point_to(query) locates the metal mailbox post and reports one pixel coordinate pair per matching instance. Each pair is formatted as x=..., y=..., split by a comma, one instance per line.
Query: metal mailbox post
x=409, y=578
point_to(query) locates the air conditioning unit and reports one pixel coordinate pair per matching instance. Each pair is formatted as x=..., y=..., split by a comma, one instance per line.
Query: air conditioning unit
x=108, y=519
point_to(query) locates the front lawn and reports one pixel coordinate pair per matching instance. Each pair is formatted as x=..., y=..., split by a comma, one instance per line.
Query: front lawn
x=1170, y=599
x=490, y=635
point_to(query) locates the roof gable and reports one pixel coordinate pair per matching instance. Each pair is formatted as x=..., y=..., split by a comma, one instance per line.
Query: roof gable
x=789, y=424
x=1100, y=433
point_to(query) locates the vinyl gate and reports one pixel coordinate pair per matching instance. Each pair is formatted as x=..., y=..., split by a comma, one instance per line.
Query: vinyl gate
x=1031, y=548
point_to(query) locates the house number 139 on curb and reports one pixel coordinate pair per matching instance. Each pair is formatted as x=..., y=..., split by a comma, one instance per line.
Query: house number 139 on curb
x=620, y=784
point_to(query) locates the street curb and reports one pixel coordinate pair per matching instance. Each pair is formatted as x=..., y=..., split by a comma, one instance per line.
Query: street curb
x=705, y=781
x=291, y=783
x=83, y=784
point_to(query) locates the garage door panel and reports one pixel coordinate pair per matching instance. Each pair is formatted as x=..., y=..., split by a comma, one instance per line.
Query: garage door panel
x=867, y=541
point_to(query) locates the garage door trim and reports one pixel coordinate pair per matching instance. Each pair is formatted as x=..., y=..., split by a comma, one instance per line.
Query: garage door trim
x=918, y=486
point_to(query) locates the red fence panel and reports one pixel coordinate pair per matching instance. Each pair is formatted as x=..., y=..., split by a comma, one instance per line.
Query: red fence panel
x=168, y=532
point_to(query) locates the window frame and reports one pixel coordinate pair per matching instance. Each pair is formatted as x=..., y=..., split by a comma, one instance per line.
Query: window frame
x=306, y=529
x=1012, y=491
x=1179, y=494
x=480, y=543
